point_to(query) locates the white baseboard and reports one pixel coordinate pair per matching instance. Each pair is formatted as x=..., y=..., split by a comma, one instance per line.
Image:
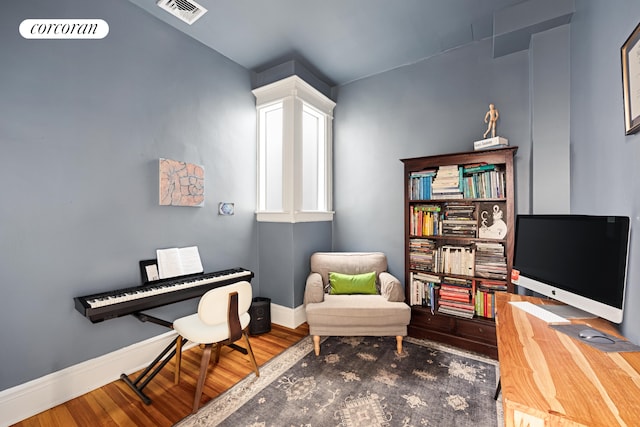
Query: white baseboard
x=28, y=399
x=288, y=317
x=33, y=397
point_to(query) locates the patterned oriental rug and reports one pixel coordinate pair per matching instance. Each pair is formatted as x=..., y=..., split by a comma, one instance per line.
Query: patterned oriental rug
x=362, y=382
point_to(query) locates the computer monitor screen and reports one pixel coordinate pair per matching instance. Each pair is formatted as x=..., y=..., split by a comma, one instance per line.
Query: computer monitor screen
x=580, y=260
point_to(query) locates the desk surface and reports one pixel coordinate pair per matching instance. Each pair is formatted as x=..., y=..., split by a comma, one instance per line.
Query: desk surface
x=551, y=379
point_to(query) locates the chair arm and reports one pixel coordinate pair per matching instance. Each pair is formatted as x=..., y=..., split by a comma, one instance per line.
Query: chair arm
x=314, y=289
x=390, y=287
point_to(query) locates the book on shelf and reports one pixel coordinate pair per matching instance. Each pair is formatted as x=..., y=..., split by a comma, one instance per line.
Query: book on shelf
x=485, y=296
x=446, y=183
x=476, y=181
x=446, y=175
x=463, y=228
x=485, y=303
x=491, y=285
x=484, y=184
x=455, y=311
x=426, y=277
x=459, y=210
x=423, y=289
x=459, y=230
x=458, y=305
x=491, y=262
x=422, y=254
x=478, y=167
x=420, y=184
x=448, y=195
x=461, y=296
x=425, y=220
x=491, y=223
x=455, y=259
x=426, y=255
x=459, y=219
x=456, y=297
x=458, y=282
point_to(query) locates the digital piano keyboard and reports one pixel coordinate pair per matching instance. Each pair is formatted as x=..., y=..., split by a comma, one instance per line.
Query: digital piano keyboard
x=121, y=302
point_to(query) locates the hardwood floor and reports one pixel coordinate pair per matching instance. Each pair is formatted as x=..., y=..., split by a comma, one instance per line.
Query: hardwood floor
x=116, y=405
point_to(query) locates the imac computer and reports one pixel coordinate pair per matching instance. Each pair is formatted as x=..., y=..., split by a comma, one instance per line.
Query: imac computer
x=580, y=260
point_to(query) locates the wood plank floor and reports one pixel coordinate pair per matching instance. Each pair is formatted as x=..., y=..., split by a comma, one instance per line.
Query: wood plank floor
x=116, y=405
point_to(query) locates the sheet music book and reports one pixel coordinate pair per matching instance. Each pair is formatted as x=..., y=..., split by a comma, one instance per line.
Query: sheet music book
x=173, y=262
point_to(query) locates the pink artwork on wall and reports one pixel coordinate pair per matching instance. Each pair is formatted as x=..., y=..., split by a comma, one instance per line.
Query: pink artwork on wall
x=181, y=183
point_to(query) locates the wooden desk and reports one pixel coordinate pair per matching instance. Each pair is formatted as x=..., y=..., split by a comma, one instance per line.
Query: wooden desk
x=551, y=379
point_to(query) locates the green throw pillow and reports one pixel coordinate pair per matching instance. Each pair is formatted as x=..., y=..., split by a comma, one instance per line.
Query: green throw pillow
x=345, y=284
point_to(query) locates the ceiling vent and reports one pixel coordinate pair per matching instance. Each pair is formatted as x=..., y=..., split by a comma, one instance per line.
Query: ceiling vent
x=187, y=10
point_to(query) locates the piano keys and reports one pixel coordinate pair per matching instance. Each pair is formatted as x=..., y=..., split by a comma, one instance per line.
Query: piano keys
x=121, y=302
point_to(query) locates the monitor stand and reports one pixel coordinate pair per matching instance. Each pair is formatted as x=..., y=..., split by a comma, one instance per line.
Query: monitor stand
x=568, y=312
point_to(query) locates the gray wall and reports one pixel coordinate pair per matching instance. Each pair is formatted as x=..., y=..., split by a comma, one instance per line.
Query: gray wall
x=435, y=106
x=284, y=252
x=82, y=125
x=604, y=162
x=550, y=70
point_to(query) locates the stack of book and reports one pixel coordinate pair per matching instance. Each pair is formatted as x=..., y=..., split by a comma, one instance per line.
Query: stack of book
x=446, y=184
x=425, y=220
x=420, y=184
x=459, y=220
x=491, y=261
x=456, y=297
x=422, y=254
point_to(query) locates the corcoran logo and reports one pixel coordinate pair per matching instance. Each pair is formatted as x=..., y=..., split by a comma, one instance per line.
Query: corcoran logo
x=64, y=29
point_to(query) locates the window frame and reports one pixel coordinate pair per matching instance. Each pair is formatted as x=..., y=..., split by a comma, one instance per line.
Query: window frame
x=295, y=94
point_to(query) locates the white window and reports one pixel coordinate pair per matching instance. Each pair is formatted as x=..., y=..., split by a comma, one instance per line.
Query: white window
x=270, y=155
x=294, y=152
x=314, y=157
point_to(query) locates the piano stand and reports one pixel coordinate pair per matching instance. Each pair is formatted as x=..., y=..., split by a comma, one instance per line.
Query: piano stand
x=148, y=318
x=135, y=385
x=152, y=369
x=138, y=388
x=238, y=348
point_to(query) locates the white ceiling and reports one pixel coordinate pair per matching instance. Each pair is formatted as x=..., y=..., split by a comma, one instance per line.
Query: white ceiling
x=341, y=40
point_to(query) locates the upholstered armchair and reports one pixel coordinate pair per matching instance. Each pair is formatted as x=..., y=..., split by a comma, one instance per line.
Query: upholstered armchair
x=348, y=304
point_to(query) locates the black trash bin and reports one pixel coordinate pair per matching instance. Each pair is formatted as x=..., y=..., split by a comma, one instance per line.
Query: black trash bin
x=260, y=312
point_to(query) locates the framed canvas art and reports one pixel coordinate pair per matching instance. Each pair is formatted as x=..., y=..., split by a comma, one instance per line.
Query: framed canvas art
x=181, y=183
x=630, y=52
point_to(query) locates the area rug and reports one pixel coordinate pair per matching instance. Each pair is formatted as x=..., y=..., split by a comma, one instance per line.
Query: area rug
x=362, y=382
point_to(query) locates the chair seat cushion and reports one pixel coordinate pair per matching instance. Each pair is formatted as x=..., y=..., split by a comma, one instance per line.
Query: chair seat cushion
x=357, y=310
x=193, y=329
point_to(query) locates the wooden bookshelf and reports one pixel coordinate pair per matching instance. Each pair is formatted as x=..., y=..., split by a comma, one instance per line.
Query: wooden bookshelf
x=459, y=233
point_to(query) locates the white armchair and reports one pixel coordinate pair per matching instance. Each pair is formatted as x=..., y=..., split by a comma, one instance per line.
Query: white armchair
x=382, y=313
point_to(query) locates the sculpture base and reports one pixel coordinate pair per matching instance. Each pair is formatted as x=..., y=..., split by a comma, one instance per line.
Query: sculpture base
x=495, y=142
